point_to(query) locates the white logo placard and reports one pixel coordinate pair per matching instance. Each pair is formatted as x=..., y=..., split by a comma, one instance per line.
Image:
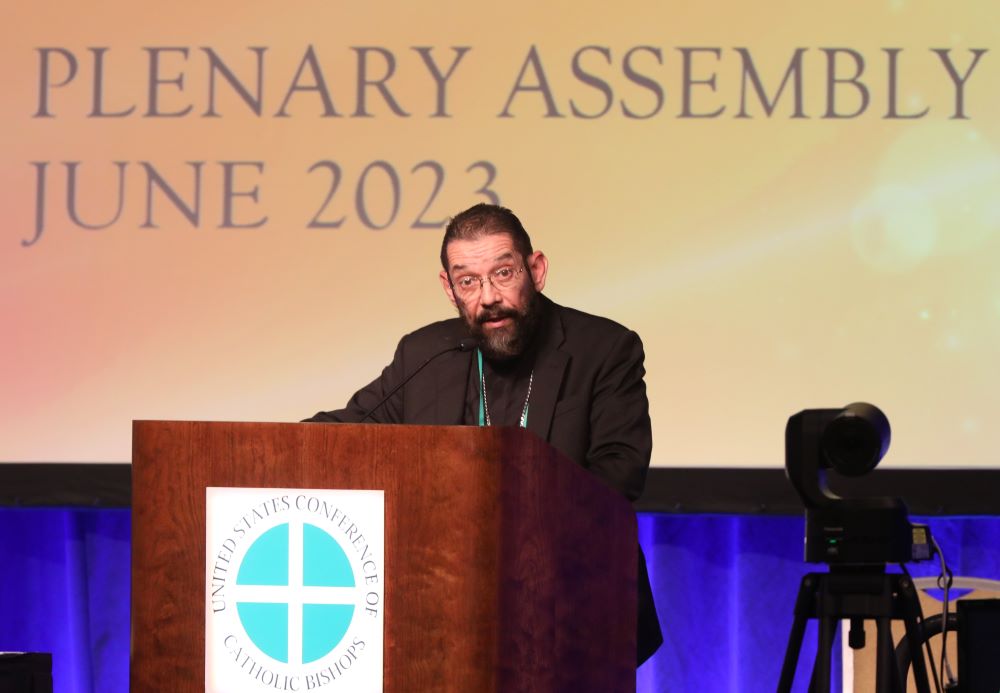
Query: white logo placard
x=294, y=590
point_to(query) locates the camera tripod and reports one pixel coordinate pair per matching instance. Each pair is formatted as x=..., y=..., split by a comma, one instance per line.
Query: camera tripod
x=857, y=593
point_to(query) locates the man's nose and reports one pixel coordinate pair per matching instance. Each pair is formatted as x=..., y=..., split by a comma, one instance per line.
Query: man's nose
x=489, y=296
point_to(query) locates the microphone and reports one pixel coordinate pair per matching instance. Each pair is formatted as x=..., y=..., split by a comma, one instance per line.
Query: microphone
x=466, y=344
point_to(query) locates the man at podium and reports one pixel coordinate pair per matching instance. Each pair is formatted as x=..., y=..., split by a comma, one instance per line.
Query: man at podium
x=515, y=358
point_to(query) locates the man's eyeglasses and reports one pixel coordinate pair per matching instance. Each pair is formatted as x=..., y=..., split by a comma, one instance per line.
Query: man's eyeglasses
x=469, y=285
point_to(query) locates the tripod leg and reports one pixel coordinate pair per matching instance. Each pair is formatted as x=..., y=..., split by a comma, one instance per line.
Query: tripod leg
x=910, y=610
x=824, y=652
x=805, y=607
x=887, y=678
x=792, y=654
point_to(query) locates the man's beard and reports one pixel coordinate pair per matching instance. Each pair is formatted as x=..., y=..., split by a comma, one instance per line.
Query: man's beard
x=509, y=341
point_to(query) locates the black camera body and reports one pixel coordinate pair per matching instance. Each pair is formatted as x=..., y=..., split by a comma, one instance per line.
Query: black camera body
x=848, y=531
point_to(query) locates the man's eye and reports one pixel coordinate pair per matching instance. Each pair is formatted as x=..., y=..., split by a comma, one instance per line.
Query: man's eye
x=503, y=273
x=466, y=282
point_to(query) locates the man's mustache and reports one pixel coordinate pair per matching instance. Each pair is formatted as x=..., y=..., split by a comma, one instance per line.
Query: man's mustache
x=496, y=314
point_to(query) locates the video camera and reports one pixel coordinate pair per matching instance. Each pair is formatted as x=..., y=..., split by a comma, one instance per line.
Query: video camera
x=842, y=531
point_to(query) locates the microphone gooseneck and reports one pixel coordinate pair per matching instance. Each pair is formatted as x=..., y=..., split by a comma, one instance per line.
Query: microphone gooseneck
x=464, y=345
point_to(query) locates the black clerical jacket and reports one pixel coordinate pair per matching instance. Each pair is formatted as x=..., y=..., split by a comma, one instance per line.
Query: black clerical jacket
x=588, y=400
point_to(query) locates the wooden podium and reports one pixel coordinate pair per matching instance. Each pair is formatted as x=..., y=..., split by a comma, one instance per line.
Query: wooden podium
x=509, y=568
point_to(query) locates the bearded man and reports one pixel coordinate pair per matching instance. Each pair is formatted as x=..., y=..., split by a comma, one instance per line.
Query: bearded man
x=575, y=380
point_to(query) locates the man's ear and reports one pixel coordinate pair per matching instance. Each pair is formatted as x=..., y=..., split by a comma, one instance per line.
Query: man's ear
x=446, y=285
x=538, y=265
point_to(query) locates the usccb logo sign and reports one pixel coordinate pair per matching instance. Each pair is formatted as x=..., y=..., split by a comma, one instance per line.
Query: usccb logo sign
x=294, y=590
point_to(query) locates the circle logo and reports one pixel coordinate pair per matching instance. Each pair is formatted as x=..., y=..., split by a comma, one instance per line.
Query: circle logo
x=294, y=593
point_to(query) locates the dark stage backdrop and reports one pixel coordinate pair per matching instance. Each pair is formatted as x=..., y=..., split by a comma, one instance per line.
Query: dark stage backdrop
x=725, y=587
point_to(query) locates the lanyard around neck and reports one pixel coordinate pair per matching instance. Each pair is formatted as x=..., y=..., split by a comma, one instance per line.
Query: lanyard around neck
x=484, y=407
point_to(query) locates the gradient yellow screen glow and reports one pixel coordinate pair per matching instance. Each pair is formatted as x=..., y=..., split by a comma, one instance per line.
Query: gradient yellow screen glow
x=232, y=210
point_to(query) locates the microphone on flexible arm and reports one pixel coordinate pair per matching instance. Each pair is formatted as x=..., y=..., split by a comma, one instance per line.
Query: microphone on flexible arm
x=466, y=344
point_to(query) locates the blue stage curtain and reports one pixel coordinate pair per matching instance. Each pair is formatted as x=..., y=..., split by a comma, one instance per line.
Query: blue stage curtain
x=725, y=587
x=64, y=589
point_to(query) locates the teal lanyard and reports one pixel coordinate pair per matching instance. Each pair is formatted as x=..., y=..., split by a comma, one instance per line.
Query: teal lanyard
x=484, y=411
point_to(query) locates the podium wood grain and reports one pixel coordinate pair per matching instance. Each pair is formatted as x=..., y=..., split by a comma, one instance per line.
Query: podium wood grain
x=508, y=568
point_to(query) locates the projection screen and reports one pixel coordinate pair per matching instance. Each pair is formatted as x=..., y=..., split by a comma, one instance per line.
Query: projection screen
x=233, y=210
